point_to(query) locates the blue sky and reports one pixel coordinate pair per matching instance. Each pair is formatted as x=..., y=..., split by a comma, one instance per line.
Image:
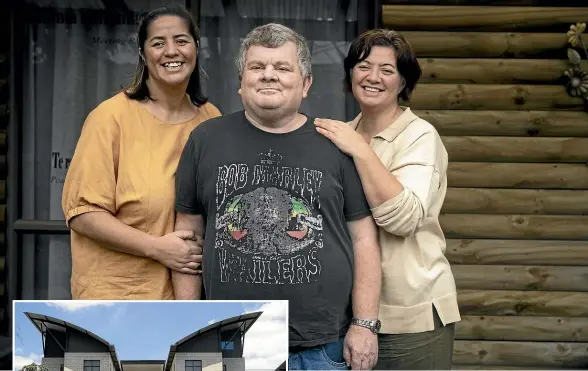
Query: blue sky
x=145, y=330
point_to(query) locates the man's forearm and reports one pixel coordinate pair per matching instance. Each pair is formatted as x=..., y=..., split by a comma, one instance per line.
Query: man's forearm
x=367, y=282
x=187, y=286
x=361, y=344
x=367, y=271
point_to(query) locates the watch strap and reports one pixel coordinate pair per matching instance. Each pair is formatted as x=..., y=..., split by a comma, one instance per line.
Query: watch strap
x=371, y=324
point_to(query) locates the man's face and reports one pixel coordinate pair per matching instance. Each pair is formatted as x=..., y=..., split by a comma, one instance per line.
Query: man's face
x=271, y=82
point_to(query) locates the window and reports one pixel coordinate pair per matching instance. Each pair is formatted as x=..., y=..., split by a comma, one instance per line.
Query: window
x=227, y=345
x=193, y=366
x=91, y=365
x=45, y=265
x=224, y=367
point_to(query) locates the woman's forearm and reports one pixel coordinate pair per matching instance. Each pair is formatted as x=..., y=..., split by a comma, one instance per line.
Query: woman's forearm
x=379, y=185
x=111, y=233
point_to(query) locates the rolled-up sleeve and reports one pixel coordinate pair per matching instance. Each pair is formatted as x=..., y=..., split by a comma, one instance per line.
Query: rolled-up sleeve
x=90, y=183
x=416, y=169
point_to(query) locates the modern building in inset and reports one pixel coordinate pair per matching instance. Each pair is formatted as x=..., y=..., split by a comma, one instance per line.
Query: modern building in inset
x=216, y=347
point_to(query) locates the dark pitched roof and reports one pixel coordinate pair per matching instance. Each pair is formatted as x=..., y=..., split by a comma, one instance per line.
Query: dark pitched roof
x=245, y=319
x=43, y=322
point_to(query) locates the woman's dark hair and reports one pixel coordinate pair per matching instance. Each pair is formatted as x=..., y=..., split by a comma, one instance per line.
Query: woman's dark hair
x=138, y=89
x=406, y=62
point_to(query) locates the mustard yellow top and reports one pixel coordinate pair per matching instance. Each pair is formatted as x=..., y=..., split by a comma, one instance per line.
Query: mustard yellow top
x=124, y=164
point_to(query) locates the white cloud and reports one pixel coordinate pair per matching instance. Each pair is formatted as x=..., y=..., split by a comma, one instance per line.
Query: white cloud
x=119, y=312
x=18, y=350
x=266, y=343
x=212, y=321
x=75, y=305
x=20, y=361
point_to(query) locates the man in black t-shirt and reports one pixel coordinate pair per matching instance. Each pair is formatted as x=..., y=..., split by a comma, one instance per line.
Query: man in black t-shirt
x=283, y=211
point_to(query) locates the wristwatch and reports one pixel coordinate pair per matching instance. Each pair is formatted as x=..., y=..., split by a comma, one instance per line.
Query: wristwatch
x=372, y=324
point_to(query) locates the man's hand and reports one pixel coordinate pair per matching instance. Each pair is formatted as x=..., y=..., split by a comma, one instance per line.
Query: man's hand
x=361, y=348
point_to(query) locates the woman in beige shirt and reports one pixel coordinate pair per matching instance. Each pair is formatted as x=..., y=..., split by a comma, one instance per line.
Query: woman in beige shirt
x=118, y=197
x=402, y=164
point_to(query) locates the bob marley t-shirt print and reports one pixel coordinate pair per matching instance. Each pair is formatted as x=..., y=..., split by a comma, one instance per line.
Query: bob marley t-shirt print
x=276, y=208
x=269, y=234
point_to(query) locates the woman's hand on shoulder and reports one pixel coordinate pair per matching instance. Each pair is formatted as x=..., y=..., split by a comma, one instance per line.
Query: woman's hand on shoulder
x=180, y=251
x=342, y=135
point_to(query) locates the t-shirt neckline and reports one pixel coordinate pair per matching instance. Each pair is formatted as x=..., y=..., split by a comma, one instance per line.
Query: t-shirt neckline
x=296, y=131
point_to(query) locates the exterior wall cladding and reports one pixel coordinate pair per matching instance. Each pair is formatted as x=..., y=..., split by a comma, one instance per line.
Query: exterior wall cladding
x=75, y=361
x=210, y=361
x=234, y=364
x=52, y=364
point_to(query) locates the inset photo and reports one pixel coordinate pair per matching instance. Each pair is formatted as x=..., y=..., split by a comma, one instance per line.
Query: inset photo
x=150, y=336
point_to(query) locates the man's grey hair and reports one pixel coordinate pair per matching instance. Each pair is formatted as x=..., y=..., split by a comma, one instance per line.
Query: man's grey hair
x=273, y=35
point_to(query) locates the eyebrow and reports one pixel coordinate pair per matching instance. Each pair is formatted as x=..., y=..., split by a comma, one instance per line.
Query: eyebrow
x=383, y=64
x=163, y=38
x=276, y=63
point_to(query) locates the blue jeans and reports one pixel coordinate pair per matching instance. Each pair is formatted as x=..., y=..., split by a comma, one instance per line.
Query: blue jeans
x=322, y=357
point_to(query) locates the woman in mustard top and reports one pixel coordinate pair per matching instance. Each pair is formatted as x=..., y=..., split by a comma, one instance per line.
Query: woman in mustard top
x=118, y=196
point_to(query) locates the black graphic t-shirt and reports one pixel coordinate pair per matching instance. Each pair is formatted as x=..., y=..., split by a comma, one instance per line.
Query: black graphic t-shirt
x=276, y=208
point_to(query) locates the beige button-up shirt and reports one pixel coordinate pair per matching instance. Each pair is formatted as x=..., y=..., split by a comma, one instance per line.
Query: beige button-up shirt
x=415, y=272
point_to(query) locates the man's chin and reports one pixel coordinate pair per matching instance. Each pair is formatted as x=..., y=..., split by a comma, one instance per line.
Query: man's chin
x=268, y=106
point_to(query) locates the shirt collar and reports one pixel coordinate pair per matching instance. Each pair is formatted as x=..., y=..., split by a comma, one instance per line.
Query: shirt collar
x=392, y=131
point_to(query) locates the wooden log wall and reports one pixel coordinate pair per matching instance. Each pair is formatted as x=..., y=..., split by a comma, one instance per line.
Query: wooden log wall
x=516, y=211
